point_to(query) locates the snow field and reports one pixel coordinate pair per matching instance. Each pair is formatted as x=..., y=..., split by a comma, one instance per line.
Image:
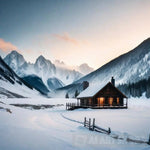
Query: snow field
x=47, y=129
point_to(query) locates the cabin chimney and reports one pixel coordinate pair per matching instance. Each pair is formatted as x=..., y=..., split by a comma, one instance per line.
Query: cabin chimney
x=113, y=81
x=85, y=84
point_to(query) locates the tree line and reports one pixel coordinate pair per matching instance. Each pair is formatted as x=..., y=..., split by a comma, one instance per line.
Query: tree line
x=136, y=89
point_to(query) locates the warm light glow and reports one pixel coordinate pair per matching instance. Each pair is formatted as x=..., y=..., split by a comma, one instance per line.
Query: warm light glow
x=117, y=100
x=101, y=101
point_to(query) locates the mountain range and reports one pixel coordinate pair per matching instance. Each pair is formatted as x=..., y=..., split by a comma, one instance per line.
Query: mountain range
x=129, y=69
x=52, y=75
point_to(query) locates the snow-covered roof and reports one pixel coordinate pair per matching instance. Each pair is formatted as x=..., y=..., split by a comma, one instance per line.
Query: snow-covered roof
x=91, y=90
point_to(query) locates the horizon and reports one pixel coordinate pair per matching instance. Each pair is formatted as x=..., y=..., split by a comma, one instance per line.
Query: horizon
x=95, y=33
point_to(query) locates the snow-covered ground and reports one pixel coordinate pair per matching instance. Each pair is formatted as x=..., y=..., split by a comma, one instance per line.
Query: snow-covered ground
x=14, y=88
x=54, y=128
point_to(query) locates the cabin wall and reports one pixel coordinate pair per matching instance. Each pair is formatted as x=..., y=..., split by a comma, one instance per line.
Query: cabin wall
x=86, y=101
x=102, y=101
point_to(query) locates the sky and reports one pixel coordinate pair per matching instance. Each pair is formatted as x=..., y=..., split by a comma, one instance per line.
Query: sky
x=73, y=31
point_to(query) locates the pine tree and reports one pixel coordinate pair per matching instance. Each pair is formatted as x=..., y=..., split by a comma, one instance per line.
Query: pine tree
x=67, y=95
x=76, y=93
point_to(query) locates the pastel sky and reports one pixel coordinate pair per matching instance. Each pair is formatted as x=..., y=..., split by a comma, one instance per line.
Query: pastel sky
x=73, y=31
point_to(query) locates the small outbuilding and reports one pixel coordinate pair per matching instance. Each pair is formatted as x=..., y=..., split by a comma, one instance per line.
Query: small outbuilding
x=104, y=96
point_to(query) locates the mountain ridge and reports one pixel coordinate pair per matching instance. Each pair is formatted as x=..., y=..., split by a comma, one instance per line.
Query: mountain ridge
x=42, y=67
x=140, y=46
x=127, y=68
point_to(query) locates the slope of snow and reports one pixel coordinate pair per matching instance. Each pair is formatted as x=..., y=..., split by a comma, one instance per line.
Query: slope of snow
x=130, y=67
x=127, y=68
x=12, y=85
x=20, y=89
x=50, y=129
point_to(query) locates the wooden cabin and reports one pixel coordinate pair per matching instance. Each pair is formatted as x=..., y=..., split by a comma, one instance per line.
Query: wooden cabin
x=104, y=96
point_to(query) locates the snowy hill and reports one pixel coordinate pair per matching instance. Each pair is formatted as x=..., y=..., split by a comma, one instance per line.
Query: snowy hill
x=127, y=68
x=13, y=86
x=43, y=68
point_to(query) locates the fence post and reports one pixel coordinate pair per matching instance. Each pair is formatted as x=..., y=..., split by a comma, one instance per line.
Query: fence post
x=109, y=130
x=84, y=121
x=93, y=124
x=89, y=123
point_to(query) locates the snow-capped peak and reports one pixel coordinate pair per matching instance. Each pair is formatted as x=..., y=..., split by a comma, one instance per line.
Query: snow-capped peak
x=41, y=58
x=14, y=60
x=44, y=68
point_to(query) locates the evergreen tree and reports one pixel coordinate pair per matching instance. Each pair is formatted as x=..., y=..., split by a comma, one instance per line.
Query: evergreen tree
x=67, y=95
x=76, y=93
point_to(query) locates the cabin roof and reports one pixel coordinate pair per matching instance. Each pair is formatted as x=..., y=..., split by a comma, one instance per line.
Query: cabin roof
x=94, y=89
x=91, y=90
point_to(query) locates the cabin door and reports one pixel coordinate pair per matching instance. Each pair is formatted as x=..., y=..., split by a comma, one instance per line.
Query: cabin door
x=110, y=101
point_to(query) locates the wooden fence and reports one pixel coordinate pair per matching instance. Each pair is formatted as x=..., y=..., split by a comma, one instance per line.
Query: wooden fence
x=91, y=126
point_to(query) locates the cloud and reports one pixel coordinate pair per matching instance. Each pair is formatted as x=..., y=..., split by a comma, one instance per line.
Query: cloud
x=6, y=46
x=66, y=37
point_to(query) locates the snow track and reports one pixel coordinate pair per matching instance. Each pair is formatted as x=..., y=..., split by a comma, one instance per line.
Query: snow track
x=71, y=119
